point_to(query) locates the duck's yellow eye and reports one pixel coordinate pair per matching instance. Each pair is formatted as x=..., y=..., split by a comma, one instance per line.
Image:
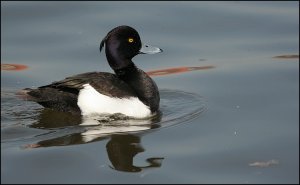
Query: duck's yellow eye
x=130, y=40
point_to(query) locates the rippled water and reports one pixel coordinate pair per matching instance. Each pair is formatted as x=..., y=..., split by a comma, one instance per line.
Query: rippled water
x=30, y=126
x=229, y=79
x=176, y=107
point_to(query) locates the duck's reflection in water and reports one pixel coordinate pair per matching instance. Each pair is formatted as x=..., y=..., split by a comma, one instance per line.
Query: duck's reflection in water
x=124, y=136
x=122, y=149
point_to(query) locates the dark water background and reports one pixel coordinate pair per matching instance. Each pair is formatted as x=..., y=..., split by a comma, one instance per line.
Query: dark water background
x=235, y=122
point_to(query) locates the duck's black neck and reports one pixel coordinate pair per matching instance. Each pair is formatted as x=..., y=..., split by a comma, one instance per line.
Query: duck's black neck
x=126, y=71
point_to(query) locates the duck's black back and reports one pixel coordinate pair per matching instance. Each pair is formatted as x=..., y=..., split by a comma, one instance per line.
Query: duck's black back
x=63, y=95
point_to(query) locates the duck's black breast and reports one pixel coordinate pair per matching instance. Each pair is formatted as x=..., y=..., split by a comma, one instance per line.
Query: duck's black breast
x=144, y=87
x=63, y=95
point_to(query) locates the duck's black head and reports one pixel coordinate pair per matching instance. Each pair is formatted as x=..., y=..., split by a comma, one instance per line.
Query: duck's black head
x=122, y=44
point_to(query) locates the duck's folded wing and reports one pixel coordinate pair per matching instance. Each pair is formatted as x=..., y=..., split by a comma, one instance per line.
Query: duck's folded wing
x=105, y=83
x=63, y=95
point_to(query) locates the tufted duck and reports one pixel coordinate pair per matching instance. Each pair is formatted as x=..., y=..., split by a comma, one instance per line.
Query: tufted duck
x=130, y=91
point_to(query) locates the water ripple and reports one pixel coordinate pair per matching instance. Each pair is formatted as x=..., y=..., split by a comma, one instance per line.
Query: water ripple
x=23, y=120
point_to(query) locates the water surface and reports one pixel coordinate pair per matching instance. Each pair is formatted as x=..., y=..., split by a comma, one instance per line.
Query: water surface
x=234, y=101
